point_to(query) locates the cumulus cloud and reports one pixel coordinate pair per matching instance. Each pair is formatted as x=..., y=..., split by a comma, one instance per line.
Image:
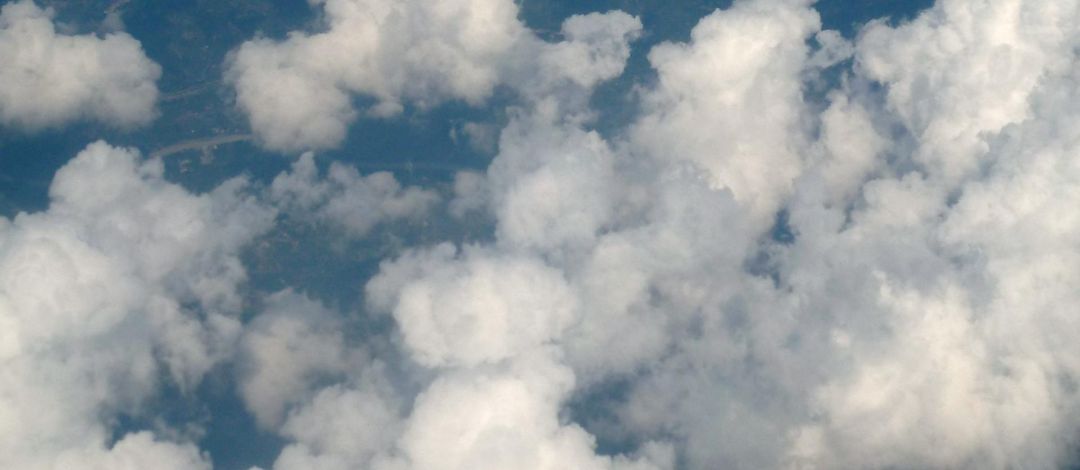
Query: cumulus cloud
x=345, y=198
x=767, y=268
x=51, y=78
x=473, y=309
x=505, y=419
x=289, y=348
x=125, y=281
x=299, y=93
x=730, y=100
x=783, y=280
x=978, y=65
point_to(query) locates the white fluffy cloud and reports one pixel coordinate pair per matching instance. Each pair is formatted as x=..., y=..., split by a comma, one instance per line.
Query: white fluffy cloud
x=290, y=347
x=965, y=69
x=475, y=308
x=299, y=93
x=490, y=325
x=341, y=428
x=49, y=78
x=345, y=198
x=730, y=100
x=505, y=419
x=126, y=280
x=912, y=316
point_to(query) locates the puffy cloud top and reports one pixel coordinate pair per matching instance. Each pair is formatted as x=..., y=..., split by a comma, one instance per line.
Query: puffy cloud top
x=125, y=279
x=731, y=102
x=299, y=93
x=50, y=79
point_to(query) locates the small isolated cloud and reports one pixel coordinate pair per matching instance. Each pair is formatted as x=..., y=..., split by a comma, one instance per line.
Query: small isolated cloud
x=49, y=79
x=347, y=199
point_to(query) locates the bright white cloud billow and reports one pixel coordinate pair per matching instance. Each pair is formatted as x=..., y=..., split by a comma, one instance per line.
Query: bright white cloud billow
x=50, y=78
x=291, y=346
x=730, y=100
x=299, y=93
x=125, y=281
x=800, y=251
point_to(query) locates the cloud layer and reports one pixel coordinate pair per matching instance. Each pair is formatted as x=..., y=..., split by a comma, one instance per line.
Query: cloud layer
x=803, y=251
